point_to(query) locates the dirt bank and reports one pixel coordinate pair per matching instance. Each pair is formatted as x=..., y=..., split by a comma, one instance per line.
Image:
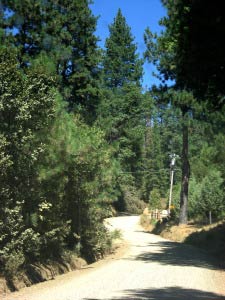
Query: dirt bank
x=36, y=273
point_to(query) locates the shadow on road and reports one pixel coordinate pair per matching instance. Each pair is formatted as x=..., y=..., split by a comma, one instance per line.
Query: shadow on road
x=171, y=293
x=177, y=254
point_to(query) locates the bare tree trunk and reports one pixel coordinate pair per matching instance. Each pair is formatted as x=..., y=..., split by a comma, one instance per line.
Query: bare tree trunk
x=185, y=172
x=210, y=217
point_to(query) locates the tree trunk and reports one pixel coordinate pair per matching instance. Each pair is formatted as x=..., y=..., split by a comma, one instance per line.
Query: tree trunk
x=210, y=217
x=185, y=172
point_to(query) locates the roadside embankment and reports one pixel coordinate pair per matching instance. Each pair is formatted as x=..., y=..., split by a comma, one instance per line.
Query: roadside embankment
x=40, y=272
x=35, y=273
x=210, y=238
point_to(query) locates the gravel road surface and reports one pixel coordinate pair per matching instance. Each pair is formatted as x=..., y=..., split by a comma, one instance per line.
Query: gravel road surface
x=150, y=268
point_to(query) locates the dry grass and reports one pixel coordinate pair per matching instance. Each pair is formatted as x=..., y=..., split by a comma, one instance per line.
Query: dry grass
x=210, y=238
x=146, y=223
x=178, y=233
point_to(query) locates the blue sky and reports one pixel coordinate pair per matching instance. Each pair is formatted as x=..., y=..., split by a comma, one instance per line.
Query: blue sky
x=139, y=15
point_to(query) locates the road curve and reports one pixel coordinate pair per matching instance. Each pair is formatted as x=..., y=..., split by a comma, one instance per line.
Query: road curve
x=152, y=268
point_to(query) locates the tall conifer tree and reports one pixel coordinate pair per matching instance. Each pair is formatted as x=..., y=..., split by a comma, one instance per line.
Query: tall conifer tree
x=189, y=51
x=122, y=75
x=121, y=63
x=60, y=34
x=120, y=109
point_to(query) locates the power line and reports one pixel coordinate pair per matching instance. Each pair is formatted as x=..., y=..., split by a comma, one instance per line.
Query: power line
x=148, y=171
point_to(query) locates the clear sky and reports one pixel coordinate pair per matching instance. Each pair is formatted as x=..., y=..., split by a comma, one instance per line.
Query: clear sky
x=139, y=14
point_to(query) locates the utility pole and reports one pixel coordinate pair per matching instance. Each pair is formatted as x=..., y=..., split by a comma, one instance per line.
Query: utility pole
x=172, y=165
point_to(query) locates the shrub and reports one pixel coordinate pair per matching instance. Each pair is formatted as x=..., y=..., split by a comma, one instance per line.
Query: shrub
x=155, y=199
x=132, y=203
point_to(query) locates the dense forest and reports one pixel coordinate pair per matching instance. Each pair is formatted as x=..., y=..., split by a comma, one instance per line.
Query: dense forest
x=81, y=140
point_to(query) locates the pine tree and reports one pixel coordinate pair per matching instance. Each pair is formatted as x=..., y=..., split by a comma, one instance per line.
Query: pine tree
x=121, y=63
x=69, y=38
x=166, y=52
x=175, y=54
x=60, y=34
x=77, y=179
x=121, y=104
x=195, y=31
x=22, y=26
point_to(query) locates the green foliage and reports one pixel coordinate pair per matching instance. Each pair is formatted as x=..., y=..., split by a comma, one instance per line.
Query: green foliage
x=78, y=136
x=60, y=177
x=121, y=63
x=162, y=137
x=130, y=201
x=194, y=198
x=11, y=254
x=211, y=197
x=190, y=49
x=57, y=196
x=26, y=108
x=164, y=53
x=79, y=185
x=59, y=37
x=205, y=196
x=189, y=52
x=120, y=109
x=154, y=199
x=116, y=234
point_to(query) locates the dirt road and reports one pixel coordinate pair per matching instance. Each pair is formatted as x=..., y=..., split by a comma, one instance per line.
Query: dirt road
x=151, y=268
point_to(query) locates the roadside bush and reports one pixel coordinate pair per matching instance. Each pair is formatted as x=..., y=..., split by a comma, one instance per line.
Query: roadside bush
x=212, y=200
x=132, y=203
x=13, y=261
x=155, y=199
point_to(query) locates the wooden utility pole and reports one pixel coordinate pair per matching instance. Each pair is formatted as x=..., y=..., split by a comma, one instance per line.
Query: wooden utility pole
x=173, y=159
